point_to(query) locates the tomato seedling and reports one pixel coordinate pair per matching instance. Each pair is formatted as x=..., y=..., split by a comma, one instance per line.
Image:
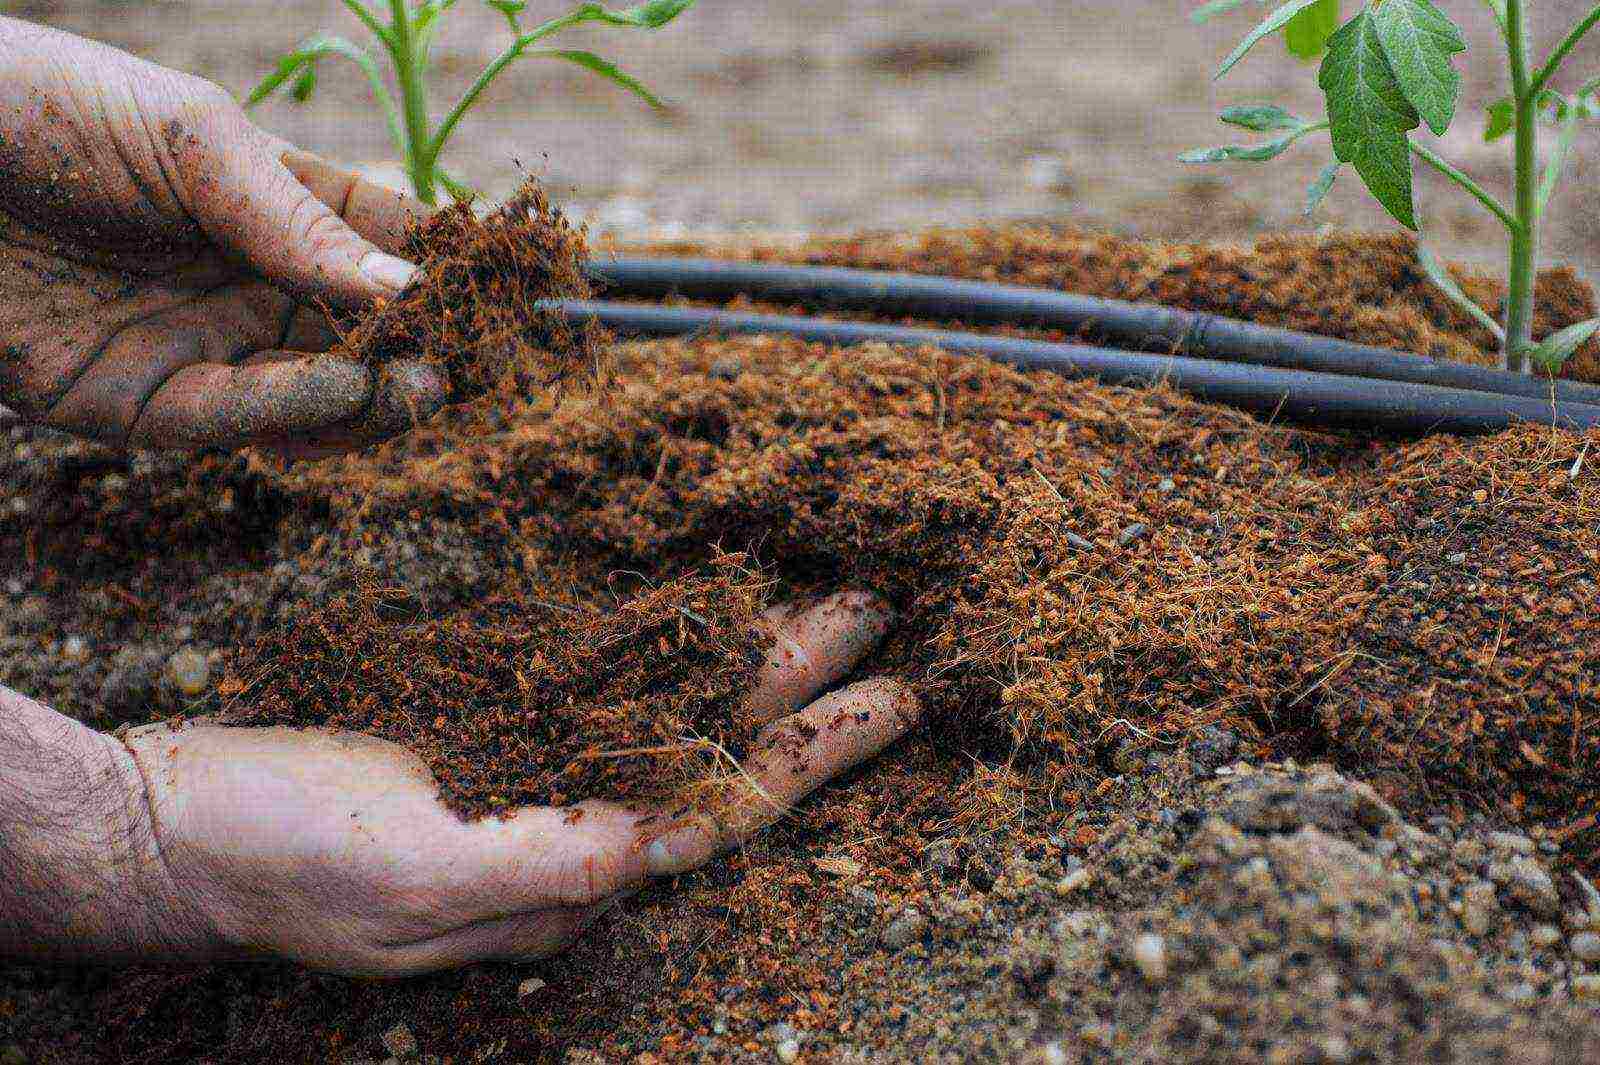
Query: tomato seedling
x=407, y=39
x=1390, y=69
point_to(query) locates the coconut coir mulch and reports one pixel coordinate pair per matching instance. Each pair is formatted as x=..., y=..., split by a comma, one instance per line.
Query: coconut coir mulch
x=472, y=309
x=1084, y=576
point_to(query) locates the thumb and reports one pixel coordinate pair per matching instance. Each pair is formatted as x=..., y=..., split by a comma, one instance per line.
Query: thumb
x=251, y=204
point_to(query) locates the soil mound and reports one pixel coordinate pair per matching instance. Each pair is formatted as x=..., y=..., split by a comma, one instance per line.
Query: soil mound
x=1089, y=580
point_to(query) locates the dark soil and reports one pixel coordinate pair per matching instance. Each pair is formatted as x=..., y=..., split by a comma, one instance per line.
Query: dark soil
x=518, y=699
x=1087, y=578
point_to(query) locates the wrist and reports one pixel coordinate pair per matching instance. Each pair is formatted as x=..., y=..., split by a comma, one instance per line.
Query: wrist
x=86, y=879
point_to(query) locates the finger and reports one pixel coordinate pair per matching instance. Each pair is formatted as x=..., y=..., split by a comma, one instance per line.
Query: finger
x=270, y=401
x=522, y=937
x=382, y=215
x=815, y=646
x=249, y=202
x=309, y=331
x=106, y=398
x=537, y=859
x=791, y=758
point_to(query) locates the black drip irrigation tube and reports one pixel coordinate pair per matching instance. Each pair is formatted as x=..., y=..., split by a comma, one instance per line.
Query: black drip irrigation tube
x=1319, y=399
x=1309, y=379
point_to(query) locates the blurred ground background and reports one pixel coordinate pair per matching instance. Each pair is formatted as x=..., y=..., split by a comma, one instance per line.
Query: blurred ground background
x=834, y=116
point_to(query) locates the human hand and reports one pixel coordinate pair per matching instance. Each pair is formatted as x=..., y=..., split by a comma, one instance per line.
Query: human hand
x=161, y=259
x=333, y=850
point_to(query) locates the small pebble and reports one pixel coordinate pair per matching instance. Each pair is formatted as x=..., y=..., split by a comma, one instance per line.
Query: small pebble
x=904, y=929
x=1073, y=881
x=1150, y=956
x=190, y=671
x=1528, y=886
x=1078, y=542
x=400, y=1042
x=1336, y=1050
x=1167, y=485
x=1511, y=841
x=529, y=987
x=1585, y=946
x=1132, y=533
x=788, y=1050
x=1521, y=993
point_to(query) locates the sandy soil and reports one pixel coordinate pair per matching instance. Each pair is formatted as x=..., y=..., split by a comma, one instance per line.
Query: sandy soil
x=830, y=116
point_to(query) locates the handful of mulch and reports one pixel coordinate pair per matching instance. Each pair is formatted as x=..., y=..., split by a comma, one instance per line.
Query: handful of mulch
x=516, y=701
x=474, y=311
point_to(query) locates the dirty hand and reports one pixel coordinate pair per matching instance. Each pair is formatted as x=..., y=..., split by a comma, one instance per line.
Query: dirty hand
x=161, y=258
x=333, y=850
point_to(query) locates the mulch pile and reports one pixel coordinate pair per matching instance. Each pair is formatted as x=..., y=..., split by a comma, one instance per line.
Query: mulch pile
x=1084, y=575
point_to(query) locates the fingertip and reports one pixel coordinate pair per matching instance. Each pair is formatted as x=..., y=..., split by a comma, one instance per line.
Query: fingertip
x=814, y=647
x=389, y=274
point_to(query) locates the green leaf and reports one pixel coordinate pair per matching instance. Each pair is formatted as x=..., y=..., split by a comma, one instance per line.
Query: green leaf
x=1263, y=118
x=305, y=84
x=1307, y=33
x=1420, y=41
x=1206, y=12
x=1500, y=117
x=1319, y=189
x=1250, y=153
x=1272, y=24
x=652, y=15
x=1446, y=284
x=298, y=63
x=1370, y=115
x=602, y=67
x=1557, y=348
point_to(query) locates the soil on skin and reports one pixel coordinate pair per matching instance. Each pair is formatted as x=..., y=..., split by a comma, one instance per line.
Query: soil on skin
x=1099, y=589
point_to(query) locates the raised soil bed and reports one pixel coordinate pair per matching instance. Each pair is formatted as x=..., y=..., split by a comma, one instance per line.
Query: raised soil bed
x=1086, y=577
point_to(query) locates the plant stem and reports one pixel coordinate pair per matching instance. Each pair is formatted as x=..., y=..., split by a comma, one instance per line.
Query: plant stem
x=1567, y=44
x=408, y=62
x=1478, y=192
x=513, y=52
x=1525, y=236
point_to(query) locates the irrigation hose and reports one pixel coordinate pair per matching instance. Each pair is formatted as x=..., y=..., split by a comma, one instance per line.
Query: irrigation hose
x=1319, y=399
x=1143, y=327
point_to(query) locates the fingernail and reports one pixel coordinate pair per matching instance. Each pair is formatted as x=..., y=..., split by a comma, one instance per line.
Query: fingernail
x=387, y=271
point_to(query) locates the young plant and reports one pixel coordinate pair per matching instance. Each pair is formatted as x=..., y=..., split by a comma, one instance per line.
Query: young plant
x=1391, y=68
x=407, y=37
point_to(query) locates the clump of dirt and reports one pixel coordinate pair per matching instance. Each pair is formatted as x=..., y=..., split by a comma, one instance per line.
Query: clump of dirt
x=516, y=700
x=472, y=310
